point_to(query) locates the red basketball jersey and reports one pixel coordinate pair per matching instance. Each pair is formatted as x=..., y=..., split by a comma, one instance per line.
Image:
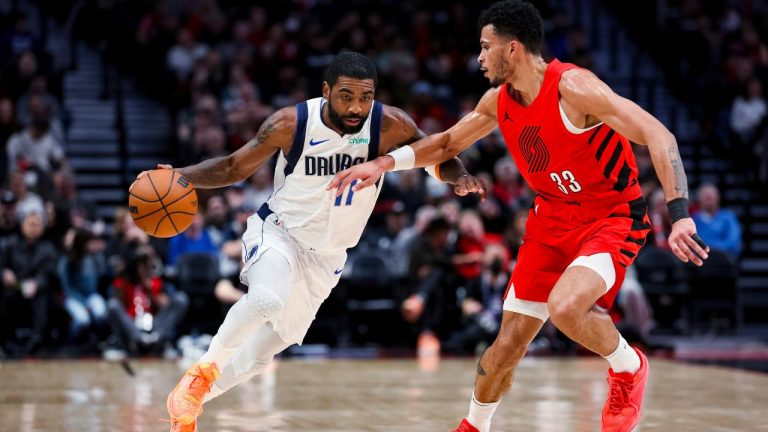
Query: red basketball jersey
x=594, y=168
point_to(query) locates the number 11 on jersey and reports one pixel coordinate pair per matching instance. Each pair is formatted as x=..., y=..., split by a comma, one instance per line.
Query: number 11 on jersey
x=350, y=193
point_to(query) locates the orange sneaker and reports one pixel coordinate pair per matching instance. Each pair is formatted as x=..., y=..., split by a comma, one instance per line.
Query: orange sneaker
x=622, y=410
x=465, y=426
x=185, y=402
x=178, y=427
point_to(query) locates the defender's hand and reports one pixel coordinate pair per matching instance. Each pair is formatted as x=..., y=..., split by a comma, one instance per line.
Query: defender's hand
x=686, y=244
x=143, y=173
x=467, y=184
x=367, y=173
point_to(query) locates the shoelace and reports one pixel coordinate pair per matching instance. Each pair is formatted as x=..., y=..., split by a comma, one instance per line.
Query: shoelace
x=200, y=384
x=618, y=397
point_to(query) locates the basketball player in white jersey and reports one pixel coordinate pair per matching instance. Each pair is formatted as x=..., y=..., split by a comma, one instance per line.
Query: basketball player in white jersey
x=294, y=248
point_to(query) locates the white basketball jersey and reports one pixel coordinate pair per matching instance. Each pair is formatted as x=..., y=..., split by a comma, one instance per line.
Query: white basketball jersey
x=317, y=218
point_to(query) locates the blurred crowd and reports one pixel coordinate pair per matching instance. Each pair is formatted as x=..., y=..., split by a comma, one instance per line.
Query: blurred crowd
x=436, y=265
x=717, y=61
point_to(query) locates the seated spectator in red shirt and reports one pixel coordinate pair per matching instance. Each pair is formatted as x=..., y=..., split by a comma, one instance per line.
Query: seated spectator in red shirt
x=144, y=311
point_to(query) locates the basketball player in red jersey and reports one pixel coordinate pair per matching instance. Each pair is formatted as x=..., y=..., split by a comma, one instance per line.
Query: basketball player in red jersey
x=569, y=135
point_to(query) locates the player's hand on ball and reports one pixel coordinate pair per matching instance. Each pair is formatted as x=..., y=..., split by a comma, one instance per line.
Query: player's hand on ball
x=143, y=173
x=467, y=184
x=686, y=244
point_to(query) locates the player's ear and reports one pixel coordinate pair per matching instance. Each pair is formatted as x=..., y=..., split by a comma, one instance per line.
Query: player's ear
x=513, y=46
x=326, y=90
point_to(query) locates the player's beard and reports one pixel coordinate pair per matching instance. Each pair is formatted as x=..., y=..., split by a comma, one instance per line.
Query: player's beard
x=502, y=72
x=338, y=121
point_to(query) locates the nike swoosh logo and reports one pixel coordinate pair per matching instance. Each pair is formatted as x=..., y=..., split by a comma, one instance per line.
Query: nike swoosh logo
x=314, y=143
x=338, y=271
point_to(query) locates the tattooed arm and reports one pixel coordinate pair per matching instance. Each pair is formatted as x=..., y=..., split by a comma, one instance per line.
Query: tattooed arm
x=587, y=100
x=274, y=134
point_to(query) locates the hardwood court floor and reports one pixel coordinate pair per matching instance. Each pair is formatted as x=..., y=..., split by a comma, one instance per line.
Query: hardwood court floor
x=550, y=395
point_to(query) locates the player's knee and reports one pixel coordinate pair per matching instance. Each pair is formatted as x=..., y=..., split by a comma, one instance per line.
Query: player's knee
x=564, y=312
x=263, y=303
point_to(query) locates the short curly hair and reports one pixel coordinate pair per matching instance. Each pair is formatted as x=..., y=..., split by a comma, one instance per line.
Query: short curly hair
x=352, y=65
x=515, y=19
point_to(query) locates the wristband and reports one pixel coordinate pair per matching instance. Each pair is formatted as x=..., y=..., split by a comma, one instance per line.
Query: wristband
x=405, y=158
x=434, y=171
x=678, y=209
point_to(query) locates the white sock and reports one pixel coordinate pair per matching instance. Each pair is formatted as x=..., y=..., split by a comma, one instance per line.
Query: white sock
x=624, y=359
x=217, y=353
x=480, y=414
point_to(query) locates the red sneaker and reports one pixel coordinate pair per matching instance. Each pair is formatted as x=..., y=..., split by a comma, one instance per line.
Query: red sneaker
x=466, y=427
x=622, y=410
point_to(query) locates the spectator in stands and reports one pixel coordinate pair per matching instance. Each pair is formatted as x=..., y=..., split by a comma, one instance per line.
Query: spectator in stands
x=748, y=111
x=194, y=239
x=18, y=80
x=489, y=150
x=28, y=263
x=401, y=246
x=126, y=238
x=470, y=246
x=144, y=311
x=481, y=308
x=79, y=272
x=749, y=124
x=21, y=38
x=210, y=141
x=395, y=220
x=9, y=224
x=430, y=304
x=39, y=87
x=183, y=55
x=513, y=235
x=495, y=214
x=636, y=313
x=216, y=219
x=78, y=212
x=25, y=199
x=36, y=146
x=508, y=186
x=660, y=220
x=719, y=228
x=259, y=188
x=8, y=127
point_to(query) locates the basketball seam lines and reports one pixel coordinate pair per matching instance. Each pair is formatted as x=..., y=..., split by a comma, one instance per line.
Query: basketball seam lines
x=156, y=192
x=170, y=186
x=162, y=204
x=169, y=204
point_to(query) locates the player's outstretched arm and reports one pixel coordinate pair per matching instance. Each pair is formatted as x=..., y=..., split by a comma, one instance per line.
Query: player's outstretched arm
x=429, y=151
x=398, y=129
x=275, y=133
x=582, y=91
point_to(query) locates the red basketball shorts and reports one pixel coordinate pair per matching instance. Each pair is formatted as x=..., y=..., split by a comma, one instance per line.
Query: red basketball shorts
x=558, y=233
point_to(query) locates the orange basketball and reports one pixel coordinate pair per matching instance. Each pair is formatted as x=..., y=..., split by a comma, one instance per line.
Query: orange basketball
x=162, y=202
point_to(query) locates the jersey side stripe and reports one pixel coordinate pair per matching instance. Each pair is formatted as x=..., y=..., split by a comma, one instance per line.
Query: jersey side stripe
x=604, y=144
x=623, y=179
x=375, y=131
x=594, y=134
x=298, y=140
x=613, y=160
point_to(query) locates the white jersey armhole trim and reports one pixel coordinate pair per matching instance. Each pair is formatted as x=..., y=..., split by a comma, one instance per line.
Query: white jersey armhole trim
x=570, y=126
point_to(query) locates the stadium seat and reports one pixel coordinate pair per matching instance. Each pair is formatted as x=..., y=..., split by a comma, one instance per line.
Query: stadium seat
x=664, y=281
x=713, y=293
x=197, y=273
